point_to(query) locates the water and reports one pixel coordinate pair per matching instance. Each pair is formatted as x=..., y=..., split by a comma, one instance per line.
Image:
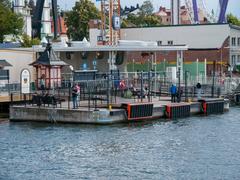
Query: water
x=193, y=148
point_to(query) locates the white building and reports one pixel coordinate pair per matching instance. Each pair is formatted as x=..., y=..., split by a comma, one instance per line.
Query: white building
x=21, y=8
x=197, y=37
x=46, y=19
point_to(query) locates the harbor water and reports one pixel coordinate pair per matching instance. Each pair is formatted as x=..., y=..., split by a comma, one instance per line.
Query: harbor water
x=192, y=148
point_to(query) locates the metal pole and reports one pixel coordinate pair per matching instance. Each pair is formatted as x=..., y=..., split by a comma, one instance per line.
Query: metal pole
x=149, y=85
x=179, y=84
x=108, y=90
x=205, y=68
x=213, y=77
x=186, y=89
x=155, y=75
x=69, y=92
x=197, y=61
x=133, y=65
x=141, y=86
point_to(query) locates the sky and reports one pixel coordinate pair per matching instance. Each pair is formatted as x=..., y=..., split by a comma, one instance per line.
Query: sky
x=233, y=5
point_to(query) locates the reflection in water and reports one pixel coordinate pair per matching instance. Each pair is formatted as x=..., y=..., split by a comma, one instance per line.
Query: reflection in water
x=192, y=148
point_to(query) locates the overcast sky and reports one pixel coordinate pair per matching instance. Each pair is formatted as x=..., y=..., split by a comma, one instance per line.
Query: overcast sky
x=233, y=7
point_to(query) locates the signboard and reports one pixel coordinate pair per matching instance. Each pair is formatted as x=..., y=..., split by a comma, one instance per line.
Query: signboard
x=116, y=22
x=25, y=81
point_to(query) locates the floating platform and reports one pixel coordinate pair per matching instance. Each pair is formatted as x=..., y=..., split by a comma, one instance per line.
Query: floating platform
x=125, y=112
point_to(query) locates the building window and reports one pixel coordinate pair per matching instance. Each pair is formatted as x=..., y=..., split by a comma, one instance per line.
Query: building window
x=167, y=19
x=159, y=43
x=233, y=63
x=238, y=59
x=233, y=41
x=170, y=42
x=239, y=41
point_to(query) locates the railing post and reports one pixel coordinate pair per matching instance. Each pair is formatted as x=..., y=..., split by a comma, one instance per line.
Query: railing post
x=24, y=98
x=213, y=78
x=69, y=92
x=186, y=84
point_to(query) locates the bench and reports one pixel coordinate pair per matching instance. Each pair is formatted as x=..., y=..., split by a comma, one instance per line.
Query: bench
x=47, y=100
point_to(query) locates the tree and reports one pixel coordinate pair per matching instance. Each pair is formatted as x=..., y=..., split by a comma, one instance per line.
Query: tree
x=142, y=21
x=233, y=19
x=28, y=42
x=146, y=8
x=10, y=23
x=77, y=19
x=6, y=3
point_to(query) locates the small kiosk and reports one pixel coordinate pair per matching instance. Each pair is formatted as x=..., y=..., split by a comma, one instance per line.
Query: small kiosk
x=48, y=69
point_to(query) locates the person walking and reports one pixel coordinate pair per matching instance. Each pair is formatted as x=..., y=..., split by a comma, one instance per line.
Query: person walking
x=199, y=90
x=173, y=91
x=74, y=96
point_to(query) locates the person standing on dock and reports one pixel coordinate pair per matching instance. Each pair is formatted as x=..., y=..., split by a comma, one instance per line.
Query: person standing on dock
x=78, y=95
x=199, y=90
x=74, y=96
x=173, y=91
x=42, y=83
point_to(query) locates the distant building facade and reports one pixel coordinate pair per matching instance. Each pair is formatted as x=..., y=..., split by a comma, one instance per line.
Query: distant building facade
x=218, y=43
x=166, y=16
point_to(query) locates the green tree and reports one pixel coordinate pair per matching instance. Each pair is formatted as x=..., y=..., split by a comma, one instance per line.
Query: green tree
x=6, y=3
x=233, y=20
x=10, y=23
x=142, y=21
x=28, y=42
x=77, y=19
x=152, y=20
x=146, y=8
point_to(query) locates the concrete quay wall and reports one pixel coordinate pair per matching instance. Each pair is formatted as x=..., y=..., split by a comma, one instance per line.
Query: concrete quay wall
x=52, y=115
x=101, y=116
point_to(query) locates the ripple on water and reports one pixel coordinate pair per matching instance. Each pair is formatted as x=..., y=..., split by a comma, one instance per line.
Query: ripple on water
x=192, y=148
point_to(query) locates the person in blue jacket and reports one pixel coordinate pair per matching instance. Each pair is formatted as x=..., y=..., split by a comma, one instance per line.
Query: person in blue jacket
x=173, y=91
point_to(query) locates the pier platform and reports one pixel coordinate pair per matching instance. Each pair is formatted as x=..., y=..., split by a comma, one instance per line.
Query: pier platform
x=125, y=110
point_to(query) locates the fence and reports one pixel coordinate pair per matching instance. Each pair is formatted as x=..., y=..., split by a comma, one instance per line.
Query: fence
x=106, y=88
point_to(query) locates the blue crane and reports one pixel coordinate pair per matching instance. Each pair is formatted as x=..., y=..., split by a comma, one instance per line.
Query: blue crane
x=195, y=11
